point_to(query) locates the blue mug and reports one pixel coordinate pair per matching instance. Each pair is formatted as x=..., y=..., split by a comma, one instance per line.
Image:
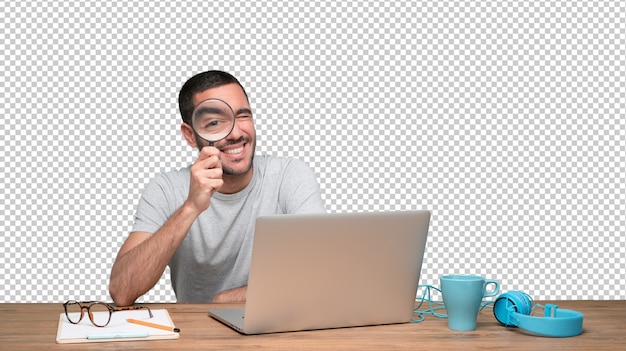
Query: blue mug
x=462, y=295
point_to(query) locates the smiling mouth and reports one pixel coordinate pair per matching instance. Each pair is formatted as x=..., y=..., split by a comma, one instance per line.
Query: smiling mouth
x=233, y=151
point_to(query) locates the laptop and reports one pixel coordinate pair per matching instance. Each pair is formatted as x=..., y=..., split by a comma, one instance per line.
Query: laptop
x=322, y=271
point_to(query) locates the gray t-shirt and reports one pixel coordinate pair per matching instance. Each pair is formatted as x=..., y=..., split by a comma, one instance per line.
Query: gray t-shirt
x=215, y=254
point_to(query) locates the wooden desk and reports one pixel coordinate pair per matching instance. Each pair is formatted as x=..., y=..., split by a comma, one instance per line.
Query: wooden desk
x=34, y=327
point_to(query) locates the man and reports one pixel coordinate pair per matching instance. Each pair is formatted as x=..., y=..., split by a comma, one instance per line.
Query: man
x=200, y=219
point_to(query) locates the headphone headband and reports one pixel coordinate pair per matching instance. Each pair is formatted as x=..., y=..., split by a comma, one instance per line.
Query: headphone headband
x=513, y=309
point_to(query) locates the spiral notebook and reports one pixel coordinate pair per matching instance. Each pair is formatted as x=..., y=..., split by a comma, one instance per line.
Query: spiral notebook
x=118, y=328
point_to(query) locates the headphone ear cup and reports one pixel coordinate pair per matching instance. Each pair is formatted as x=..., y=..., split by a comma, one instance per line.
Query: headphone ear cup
x=509, y=303
x=514, y=308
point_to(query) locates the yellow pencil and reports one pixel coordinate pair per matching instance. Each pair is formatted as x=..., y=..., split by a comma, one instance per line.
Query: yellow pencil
x=153, y=325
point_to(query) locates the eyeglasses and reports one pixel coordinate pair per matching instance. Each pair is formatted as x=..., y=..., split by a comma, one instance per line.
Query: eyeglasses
x=99, y=312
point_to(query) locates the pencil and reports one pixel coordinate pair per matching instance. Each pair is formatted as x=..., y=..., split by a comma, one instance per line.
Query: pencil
x=153, y=325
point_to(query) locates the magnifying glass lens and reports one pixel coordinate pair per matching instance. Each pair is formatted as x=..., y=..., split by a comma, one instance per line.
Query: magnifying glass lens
x=213, y=120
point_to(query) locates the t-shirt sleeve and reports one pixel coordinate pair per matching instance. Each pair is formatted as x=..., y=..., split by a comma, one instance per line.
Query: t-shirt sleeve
x=152, y=209
x=300, y=192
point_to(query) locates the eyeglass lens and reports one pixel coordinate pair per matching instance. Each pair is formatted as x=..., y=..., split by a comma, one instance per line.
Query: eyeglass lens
x=97, y=312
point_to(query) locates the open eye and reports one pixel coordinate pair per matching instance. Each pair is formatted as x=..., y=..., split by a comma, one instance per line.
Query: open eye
x=212, y=123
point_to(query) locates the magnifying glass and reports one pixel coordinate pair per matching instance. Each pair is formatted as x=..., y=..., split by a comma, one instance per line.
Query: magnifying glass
x=213, y=120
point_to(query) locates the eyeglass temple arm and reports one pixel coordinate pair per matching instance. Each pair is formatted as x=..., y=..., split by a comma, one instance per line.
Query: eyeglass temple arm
x=128, y=308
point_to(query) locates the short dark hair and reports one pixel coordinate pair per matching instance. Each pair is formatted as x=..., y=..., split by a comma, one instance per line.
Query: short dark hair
x=199, y=83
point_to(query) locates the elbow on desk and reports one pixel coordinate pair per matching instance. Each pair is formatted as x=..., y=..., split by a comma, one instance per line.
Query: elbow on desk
x=120, y=296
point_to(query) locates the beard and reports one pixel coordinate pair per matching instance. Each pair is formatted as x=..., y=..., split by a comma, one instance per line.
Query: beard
x=227, y=170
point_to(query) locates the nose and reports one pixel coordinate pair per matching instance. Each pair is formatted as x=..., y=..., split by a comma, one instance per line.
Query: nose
x=235, y=133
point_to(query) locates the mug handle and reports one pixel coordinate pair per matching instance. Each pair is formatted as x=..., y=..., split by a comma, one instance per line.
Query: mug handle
x=496, y=288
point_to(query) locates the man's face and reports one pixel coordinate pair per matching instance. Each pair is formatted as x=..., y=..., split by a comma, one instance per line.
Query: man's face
x=237, y=149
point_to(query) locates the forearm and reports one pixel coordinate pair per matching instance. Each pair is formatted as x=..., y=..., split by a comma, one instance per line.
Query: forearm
x=138, y=268
x=232, y=296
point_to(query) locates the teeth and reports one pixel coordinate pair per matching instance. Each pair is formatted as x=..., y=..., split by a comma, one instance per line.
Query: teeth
x=233, y=151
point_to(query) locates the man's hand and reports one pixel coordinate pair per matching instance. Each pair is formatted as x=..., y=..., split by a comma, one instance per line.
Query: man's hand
x=236, y=295
x=206, y=178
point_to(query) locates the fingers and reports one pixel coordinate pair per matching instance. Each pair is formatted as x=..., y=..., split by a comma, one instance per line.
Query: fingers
x=208, y=164
x=206, y=177
x=209, y=157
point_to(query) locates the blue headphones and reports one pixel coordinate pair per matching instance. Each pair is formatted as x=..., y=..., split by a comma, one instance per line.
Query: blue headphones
x=512, y=309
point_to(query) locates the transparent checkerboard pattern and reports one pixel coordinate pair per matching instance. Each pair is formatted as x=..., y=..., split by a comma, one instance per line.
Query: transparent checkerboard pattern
x=506, y=120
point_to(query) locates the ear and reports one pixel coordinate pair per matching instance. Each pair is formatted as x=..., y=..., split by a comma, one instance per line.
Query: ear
x=189, y=135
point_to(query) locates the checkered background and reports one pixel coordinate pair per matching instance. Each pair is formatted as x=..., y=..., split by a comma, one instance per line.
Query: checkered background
x=506, y=119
